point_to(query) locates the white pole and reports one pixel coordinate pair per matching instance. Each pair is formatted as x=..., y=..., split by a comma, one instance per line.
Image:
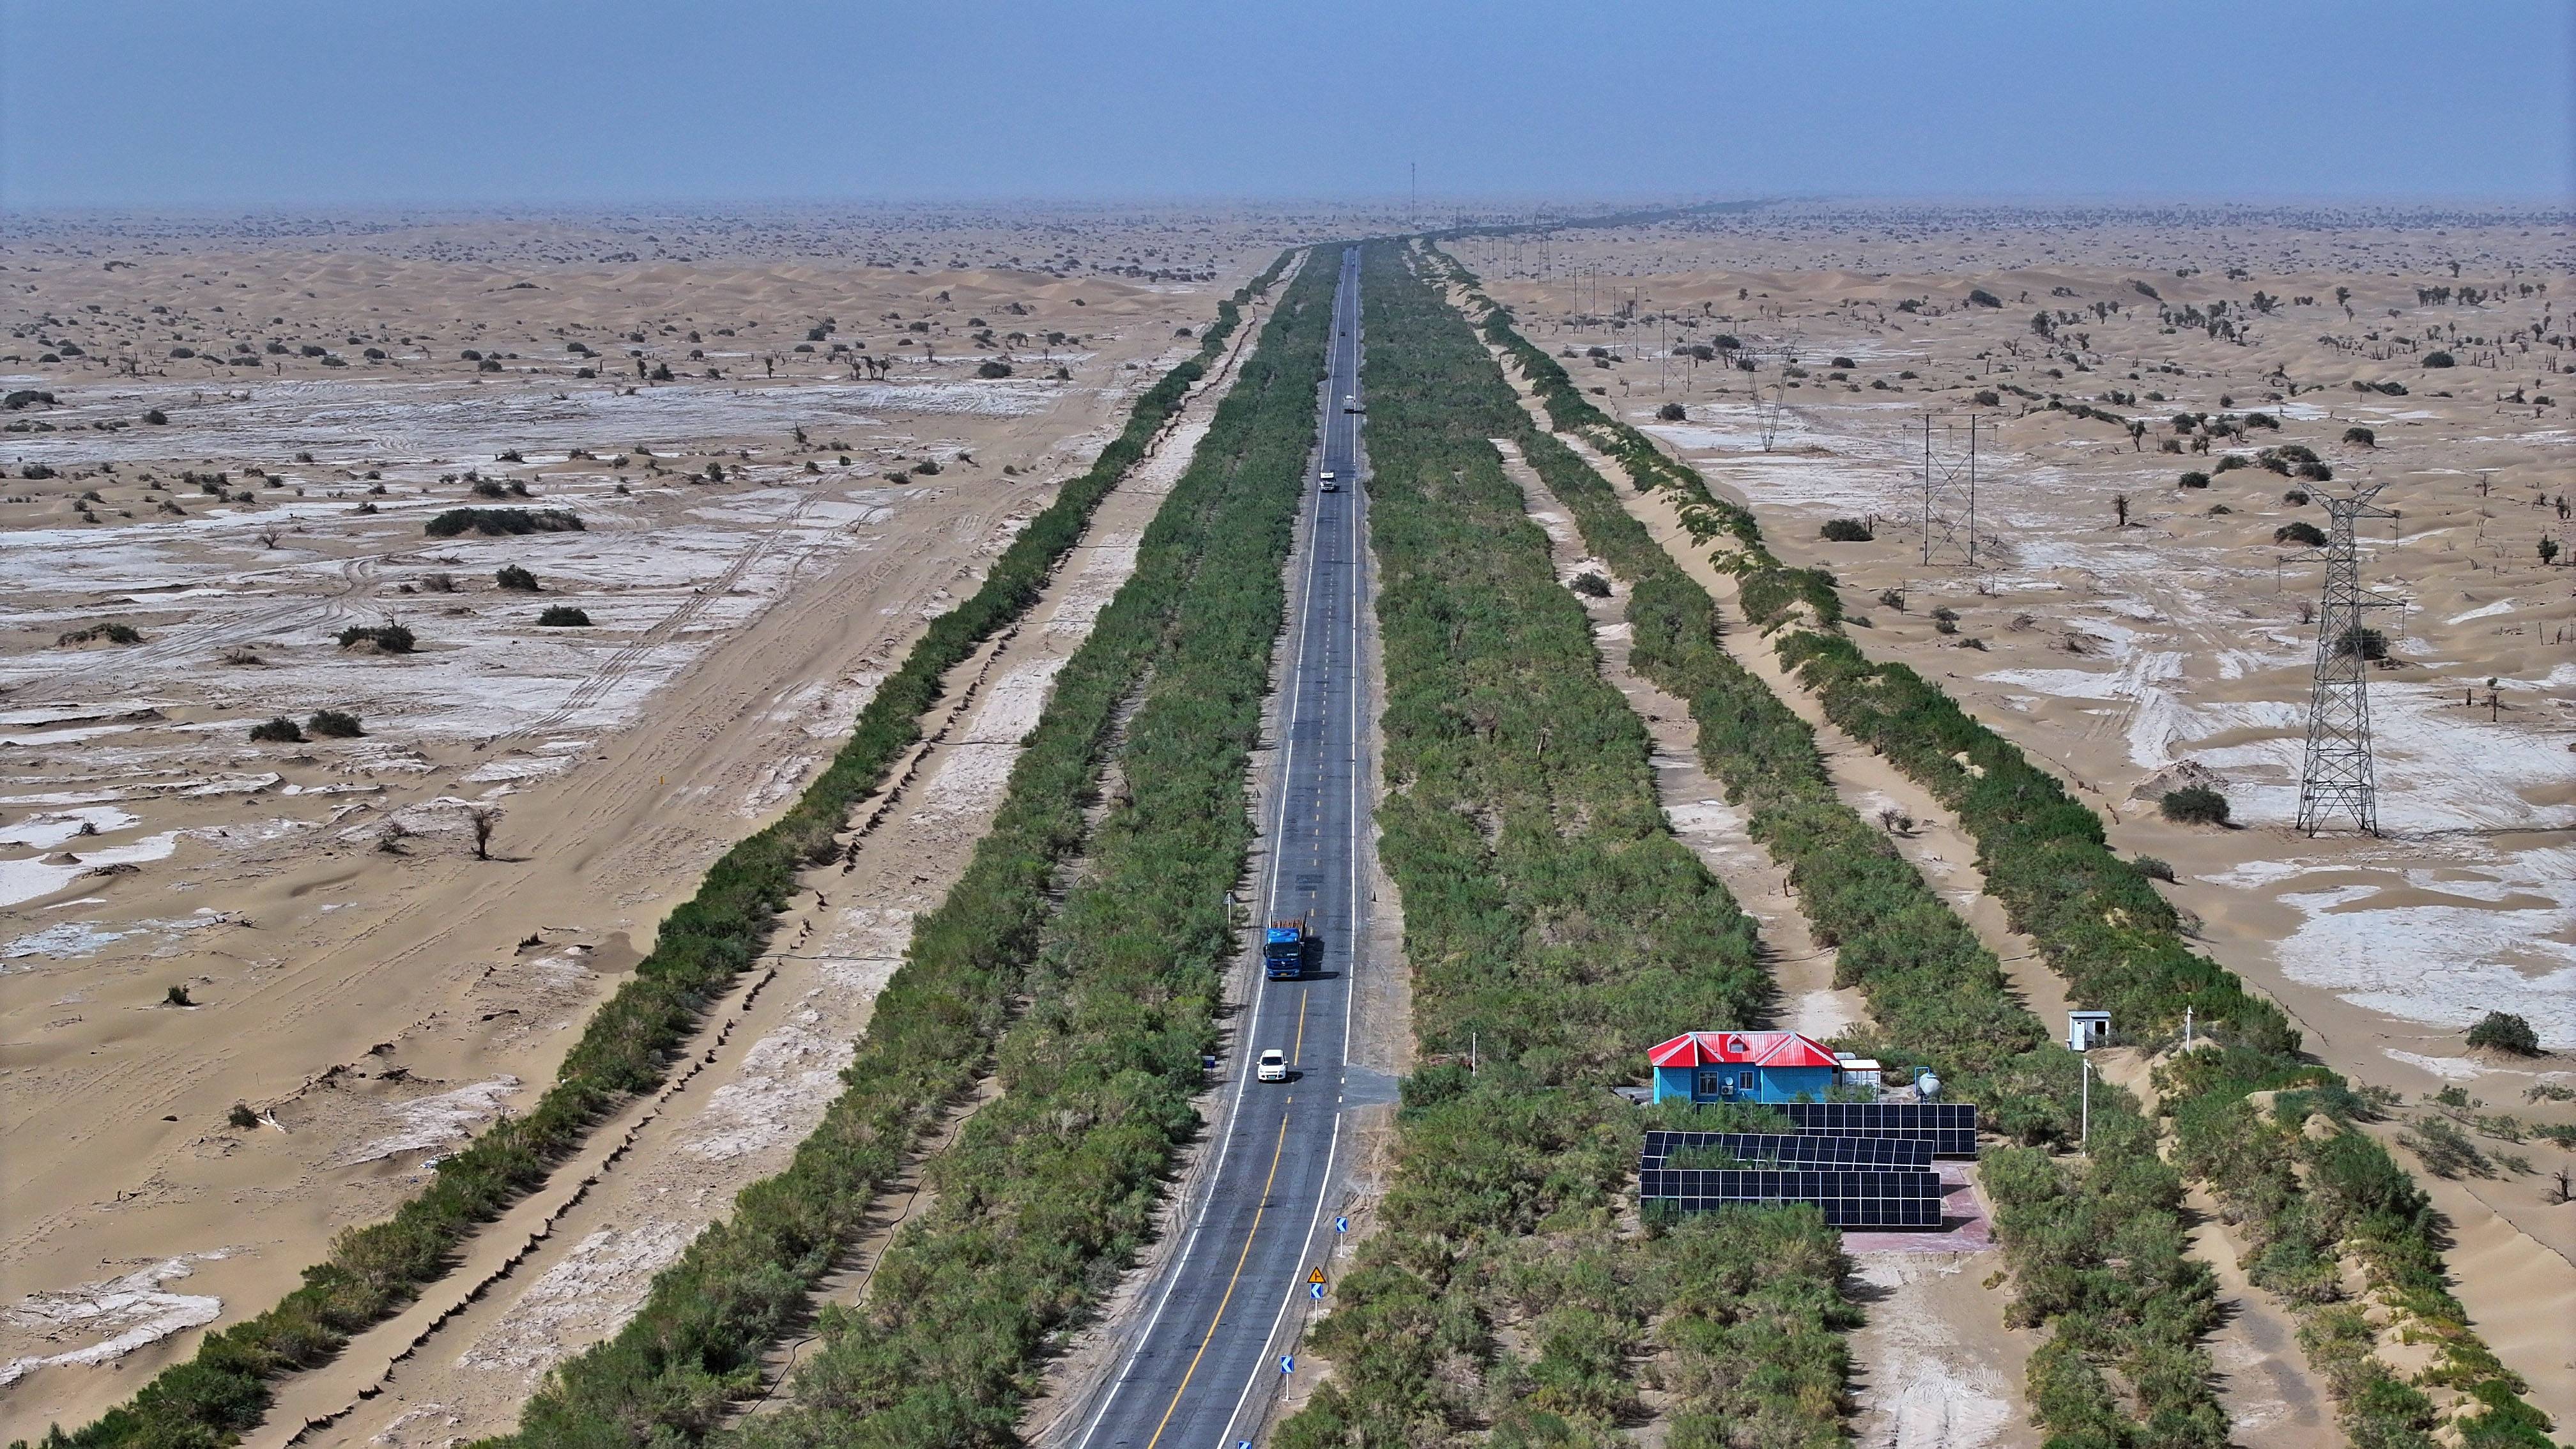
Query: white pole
x=2087, y=1139
x=2186, y=1028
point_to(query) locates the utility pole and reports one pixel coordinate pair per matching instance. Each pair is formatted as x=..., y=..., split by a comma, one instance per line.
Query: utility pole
x=2086, y=1140
x=2338, y=775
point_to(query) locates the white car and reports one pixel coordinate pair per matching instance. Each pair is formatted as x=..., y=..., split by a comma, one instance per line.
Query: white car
x=1273, y=1066
x=1350, y=402
x=1327, y=482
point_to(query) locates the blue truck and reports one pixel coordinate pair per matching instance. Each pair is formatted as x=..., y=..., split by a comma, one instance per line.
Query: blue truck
x=1283, y=948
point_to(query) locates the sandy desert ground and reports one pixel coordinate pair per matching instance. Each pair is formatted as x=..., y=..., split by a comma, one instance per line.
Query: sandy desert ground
x=827, y=462
x=2136, y=657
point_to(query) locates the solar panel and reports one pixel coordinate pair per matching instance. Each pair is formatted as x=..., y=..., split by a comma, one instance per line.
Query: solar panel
x=1951, y=1127
x=1848, y=1198
x=1791, y=1150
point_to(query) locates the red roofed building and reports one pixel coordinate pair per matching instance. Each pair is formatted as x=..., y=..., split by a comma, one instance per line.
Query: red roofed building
x=1742, y=1066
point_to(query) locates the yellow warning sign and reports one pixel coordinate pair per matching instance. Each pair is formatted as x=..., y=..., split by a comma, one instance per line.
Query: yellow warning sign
x=1315, y=1277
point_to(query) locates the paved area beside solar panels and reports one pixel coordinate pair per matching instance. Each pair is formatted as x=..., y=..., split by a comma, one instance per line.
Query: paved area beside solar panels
x=1966, y=1225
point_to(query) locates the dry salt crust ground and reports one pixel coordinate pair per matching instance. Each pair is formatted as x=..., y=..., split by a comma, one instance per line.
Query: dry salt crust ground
x=2455, y=963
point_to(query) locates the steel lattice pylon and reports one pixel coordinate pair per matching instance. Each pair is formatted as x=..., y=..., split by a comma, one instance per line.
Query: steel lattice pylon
x=2337, y=776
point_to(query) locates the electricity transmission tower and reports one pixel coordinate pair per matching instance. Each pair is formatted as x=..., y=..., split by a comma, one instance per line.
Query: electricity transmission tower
x=1950, y=496
x=2338, y=776
x=1769, y=413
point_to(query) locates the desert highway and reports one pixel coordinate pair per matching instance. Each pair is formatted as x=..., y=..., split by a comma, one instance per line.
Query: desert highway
x=1217, y=1320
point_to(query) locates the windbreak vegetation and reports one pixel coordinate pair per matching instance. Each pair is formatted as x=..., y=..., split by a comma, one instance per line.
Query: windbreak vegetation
x=1051, y=1188
x=627, y=1046
x=2096, y=1243
x=1552, y=920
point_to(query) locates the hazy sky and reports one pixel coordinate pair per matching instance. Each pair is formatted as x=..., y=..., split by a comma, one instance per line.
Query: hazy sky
x=350, y=102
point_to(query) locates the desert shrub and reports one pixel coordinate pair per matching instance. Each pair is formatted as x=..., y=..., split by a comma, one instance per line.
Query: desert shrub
x=993, y=369
x=1591, y=585
x=1670, y=412
x=112, y=633
x=2193, y=805
x=2437, y=359
x=564, y=616
x=156, y=418
x=2229, y=462
x=2361, y=437
x=2195, y=479
x=280, y=730
x=241, y=1115
x=2315, y=472
x=391, y=638
x=439, y=582
x=1846, y=530
x=2369, y=643
x=489, y=488
x=2305, y=534
x=2505, y=1032
x=2445, y=1150
x=2154, y=868
x=1980, y=297
x=2296, y=498
x=515, y=578
x=1989, y=398
x=333, y=724
x=495, y=522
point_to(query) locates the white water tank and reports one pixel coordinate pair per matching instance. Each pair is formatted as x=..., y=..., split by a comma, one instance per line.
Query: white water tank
x=1927, y=1086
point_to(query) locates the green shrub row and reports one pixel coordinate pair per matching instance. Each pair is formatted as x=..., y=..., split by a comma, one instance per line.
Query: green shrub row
x=1554, y=924
x=626, y=1048
x=1938, y=996
x=1051, y=1188
x=2280, y=1144
x=2118, y=944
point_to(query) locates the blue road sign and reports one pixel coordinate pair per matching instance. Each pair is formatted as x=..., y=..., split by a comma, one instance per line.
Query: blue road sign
x=1341, y=1225
x=1315, y=1291
x=1287, y=1363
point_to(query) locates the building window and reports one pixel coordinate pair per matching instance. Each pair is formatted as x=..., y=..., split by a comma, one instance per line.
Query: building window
x=1712, y=1084
x=1745, y=1082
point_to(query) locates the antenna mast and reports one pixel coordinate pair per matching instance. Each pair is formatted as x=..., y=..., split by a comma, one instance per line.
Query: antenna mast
x=2339, y=776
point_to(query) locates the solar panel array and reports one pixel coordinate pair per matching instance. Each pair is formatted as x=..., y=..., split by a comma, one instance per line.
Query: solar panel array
x=1850, y=1199
x=1788, y=1150
x=1951, y=1127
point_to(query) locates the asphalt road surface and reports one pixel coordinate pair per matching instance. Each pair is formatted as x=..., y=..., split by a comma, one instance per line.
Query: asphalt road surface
x=1208, y=1358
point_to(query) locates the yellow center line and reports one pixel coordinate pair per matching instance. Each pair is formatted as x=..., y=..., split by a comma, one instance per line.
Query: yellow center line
x=1297, y=1052
x=1186, y=1374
